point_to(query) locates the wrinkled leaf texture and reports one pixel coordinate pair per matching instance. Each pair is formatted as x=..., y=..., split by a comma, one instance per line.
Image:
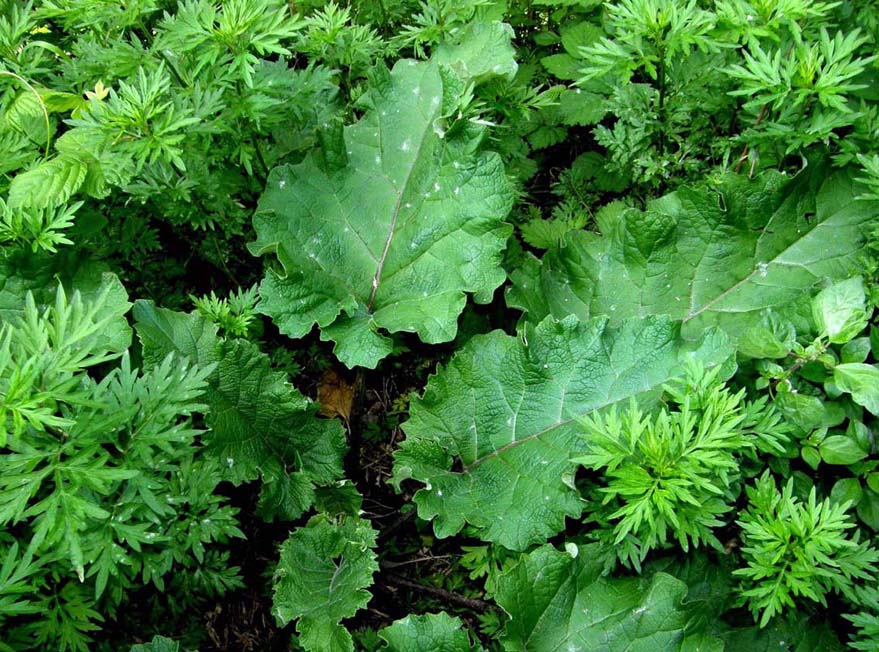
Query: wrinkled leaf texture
x=388, y=227
x=716, y=254
x=562, y=601
x=322, y=577
x=260, y=426
x=492, y=437
x=435, y=632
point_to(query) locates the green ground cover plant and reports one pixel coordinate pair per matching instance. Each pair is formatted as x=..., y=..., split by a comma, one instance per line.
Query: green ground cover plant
x=439, y=325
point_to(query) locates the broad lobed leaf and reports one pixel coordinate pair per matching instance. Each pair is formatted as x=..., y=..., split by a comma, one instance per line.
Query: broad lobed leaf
x=322, y=576
x=562, y=601
x=717, y=254
x=435, y=632
x=389, y=228
x=492, y=437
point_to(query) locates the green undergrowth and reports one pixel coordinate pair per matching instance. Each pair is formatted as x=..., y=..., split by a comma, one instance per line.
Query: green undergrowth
x=439, y=325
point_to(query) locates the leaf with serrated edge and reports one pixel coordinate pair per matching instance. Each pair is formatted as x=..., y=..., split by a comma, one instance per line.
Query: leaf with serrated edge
x=504, y=410
x=260, y=426
x=393, y=240
x=20, y=274
x=322, y=577
x=158, y=644
x=480, y=51
x=718, y=254
x=51, y=183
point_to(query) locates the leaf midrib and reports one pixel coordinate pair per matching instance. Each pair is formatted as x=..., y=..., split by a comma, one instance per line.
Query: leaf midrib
x=692, y=314
x=376, y=279
x=516, y=442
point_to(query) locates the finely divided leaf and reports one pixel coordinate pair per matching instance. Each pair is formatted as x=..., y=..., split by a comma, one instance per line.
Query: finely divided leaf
x=21, y=273
x=717, y=254
x=435, y=632
x=493, y=435
x=260, y=426
x=393, y=233
x=561, y=601
x=322, y=577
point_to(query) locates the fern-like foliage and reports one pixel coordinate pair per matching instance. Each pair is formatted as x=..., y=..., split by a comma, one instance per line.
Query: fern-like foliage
x=104, y=487
x=797, y=548
x=866, y=621
x=234, y=315
x=43, y=360
x=671, y=476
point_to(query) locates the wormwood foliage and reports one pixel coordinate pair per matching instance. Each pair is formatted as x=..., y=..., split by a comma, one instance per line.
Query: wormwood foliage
x=798, y=548
x=104, y=485
x=513, y=442
x=593, y=284
x=674, y=475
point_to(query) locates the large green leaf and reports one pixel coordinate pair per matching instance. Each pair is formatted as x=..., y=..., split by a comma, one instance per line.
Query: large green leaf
x=717, y=254
x=861, y=381
x=387, y=229
x=435, y=632
x=494, y=432
x=480, y=51
x=322, y=577
x=710, y=593
x=561, y=601
x=798, y=634
x=260, y=426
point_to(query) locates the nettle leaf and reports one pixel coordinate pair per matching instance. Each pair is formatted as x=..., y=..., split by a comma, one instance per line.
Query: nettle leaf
x=51, y=183
x=435, y=632
x=718, y=254
x=493, y=435
x=260, y=425
x=393, y=239
x=322, y=577
x=562, y=601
